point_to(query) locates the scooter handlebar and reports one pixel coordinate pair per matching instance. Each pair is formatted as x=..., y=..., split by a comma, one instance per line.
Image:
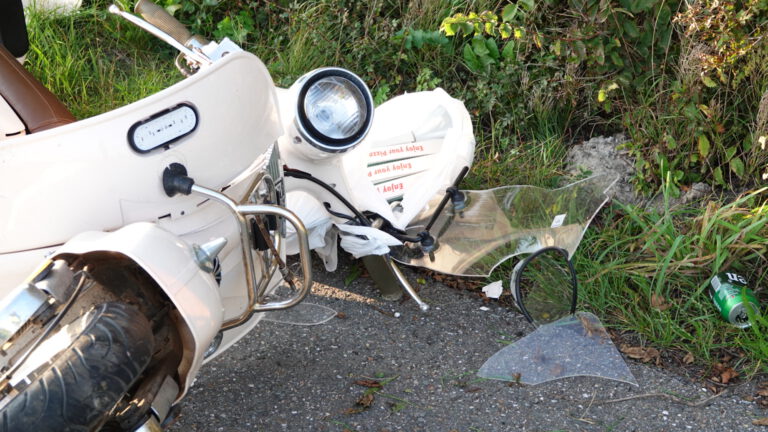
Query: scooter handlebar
x=160, y=18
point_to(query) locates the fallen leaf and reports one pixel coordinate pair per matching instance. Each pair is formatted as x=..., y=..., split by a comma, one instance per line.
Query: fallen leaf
x=472, y=390
x=688, y=359
x=368, y=383
x=763, y=392
x=341, y=315
x=516, y=380
x=642, y=353
x=727, y=375
x=365, y=400
x=760, y=422
x=659, y=302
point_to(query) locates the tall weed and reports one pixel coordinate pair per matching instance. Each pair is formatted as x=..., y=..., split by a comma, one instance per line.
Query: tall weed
x=649, y=272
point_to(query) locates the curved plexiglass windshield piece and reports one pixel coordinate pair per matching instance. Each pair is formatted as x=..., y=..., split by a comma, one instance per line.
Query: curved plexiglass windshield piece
x=544, y=286
x=303, y=314
x=576, y=345
x=497, y=224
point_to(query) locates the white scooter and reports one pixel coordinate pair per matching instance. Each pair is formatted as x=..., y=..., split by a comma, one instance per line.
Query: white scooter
x=156, y=234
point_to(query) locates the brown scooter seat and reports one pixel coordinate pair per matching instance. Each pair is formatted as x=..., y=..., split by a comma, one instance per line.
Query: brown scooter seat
x=35, y=105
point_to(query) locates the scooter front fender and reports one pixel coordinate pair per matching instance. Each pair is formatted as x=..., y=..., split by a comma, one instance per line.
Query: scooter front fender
x=171, y=263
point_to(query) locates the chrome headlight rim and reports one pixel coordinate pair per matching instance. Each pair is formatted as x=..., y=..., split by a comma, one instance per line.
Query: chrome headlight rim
x=310, y=133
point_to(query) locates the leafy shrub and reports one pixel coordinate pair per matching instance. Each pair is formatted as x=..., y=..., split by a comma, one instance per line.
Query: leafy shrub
x=685, y=85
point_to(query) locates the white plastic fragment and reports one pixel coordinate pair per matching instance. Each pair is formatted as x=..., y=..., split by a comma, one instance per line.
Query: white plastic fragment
x=484, y=309
x=493, y=289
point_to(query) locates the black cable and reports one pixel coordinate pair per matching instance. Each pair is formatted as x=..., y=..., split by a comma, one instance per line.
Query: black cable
x=338, y=214
x=403, y=237
x=82, y=284
x=290, y=172
x=420, y=238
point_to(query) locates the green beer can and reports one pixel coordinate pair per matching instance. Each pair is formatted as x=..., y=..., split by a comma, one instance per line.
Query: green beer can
x=726, y=291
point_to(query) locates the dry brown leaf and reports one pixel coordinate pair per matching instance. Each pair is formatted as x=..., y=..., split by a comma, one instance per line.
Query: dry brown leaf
x=641, y=353
x=368, y=383
x=659, y=302
x=472, y=390
x=727, y=375
x=688, y=359
x=763, y=392
x=341, y=315
x=365, y=400
x=760, y=422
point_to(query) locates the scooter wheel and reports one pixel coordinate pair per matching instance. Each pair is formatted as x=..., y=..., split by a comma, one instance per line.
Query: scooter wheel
x=108, y=349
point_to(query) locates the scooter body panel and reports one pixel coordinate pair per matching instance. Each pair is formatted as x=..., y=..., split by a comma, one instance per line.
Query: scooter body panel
x=86, y=176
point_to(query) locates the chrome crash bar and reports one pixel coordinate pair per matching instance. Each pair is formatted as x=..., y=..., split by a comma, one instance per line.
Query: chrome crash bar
x=240, y=212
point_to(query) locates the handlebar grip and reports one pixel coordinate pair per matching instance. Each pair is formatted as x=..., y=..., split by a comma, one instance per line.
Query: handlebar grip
x=161, y=19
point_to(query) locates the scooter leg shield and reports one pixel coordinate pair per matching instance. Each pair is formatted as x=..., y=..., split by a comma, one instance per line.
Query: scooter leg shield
x=171, y=263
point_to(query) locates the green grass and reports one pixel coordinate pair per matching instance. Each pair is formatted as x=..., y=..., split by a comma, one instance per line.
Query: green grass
x=96, y=62
x=672, y=255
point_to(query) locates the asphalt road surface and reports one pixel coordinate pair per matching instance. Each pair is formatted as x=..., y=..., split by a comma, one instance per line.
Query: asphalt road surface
x=285, y=377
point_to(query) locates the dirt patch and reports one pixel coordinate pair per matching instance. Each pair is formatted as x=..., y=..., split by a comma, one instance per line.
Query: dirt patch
x=604, y=155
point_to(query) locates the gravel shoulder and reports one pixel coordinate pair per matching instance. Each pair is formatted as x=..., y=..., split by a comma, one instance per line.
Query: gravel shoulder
x=284, y=377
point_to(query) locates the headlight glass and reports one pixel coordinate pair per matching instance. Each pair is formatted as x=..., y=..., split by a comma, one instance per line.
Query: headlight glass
x=336, y=107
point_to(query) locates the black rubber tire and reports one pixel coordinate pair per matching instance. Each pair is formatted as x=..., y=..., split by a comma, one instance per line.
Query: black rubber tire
x=113, y=344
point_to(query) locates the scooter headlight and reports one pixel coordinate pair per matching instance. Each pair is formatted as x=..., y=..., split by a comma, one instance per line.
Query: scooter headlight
x=334, y=110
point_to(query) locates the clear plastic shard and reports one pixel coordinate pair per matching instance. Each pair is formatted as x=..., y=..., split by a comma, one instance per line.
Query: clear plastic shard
x=497, y=224
x=303, y=314
x=576, y=345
